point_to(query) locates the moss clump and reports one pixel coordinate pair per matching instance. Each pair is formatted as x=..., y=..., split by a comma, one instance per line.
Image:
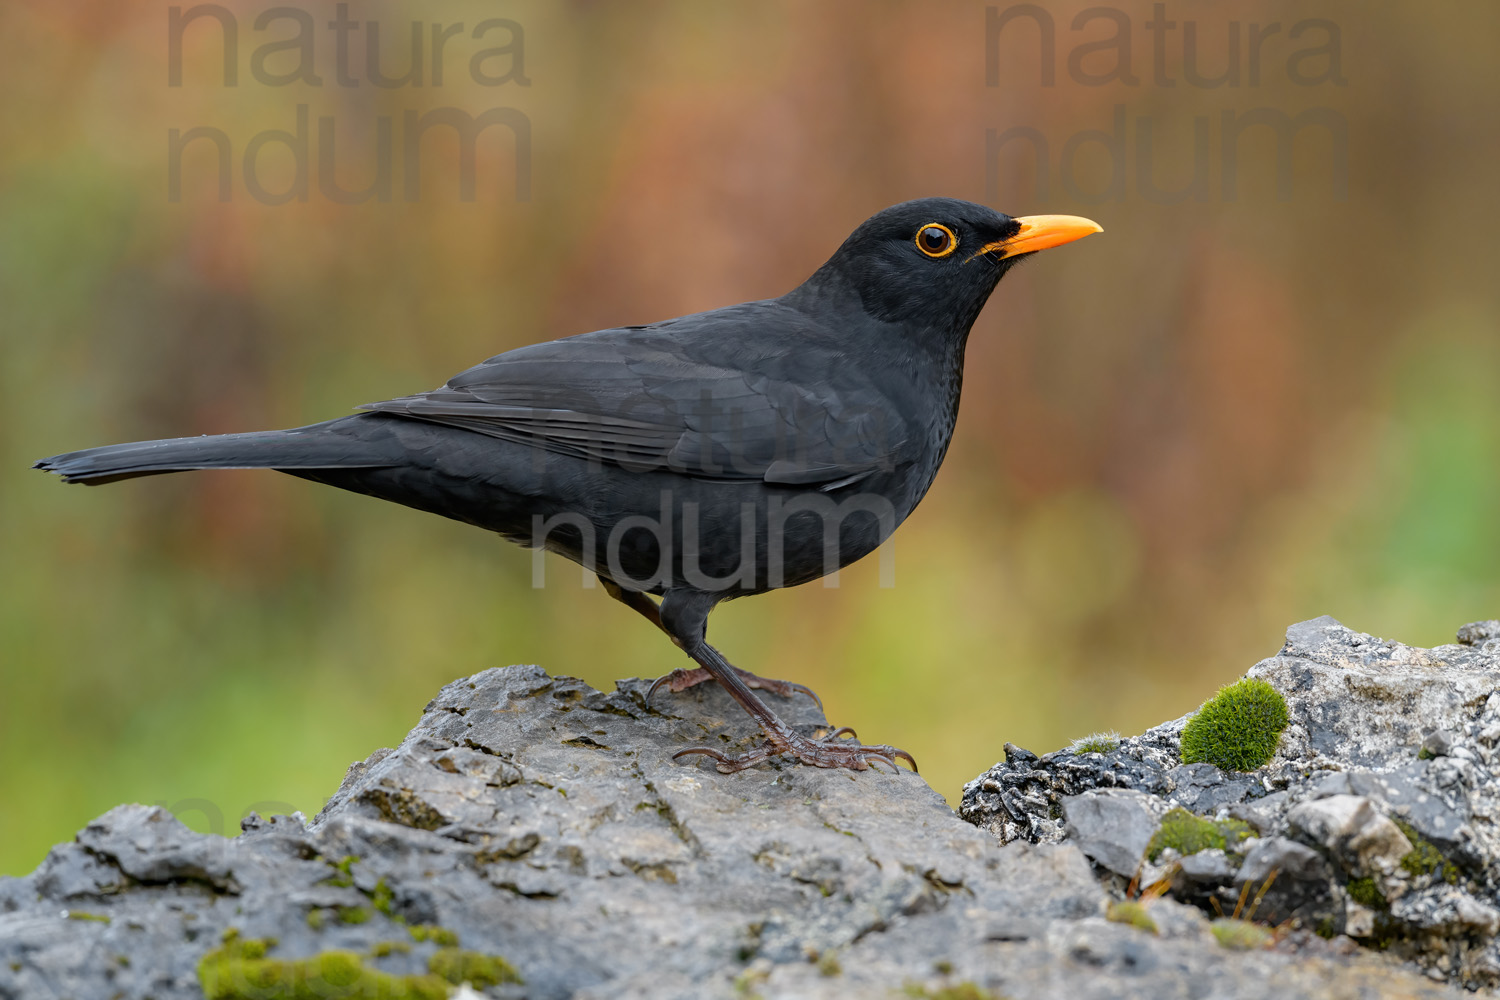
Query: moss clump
x=353, y=914
x=472, y=967
x=384, y=948
x=1239, y=935
x=315, y=919
x=1238, y=728
x=344, y=869
x=1365, y=892
x=1188, y=834
x=828, y=965
x=1132, y=913
x=1423, y=858
x=437, y=935
x=240, y=970
x=1096, y=743
x=382, y=897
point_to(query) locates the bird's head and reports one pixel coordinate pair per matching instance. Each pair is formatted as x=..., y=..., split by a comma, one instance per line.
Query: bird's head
x=935, y=261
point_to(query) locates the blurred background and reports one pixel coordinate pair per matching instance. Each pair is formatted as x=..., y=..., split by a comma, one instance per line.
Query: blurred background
x=1257, y=398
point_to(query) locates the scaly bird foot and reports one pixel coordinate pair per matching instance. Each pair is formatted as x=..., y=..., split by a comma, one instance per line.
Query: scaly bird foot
x=818, y=753
x=680, y=680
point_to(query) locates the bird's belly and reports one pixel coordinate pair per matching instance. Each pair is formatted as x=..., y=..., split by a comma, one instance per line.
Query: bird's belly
x=664, y=531
x=650, y=531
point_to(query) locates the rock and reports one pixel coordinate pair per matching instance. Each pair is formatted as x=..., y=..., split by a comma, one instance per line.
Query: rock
x=1475, y=633
x=1203, y=788
x=1437, y=744
x=1287, y=858
x=1292, y=882
x=1210, y=867
x=531, y=828
x=1448, y=910
x=1112, y=826
x=1377, y=817
x=1352, y=829
x=1359, y=920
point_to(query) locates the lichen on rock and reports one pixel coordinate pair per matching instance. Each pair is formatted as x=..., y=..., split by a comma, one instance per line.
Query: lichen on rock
x=1372, y=812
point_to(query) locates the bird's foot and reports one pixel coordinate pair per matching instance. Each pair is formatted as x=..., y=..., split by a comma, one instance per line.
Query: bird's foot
x=681, y=680
x=827, y=752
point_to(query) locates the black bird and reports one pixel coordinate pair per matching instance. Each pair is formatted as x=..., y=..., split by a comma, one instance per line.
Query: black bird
x=697, y=459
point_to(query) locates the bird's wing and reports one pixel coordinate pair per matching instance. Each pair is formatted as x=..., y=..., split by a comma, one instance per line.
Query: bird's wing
x=642, y=399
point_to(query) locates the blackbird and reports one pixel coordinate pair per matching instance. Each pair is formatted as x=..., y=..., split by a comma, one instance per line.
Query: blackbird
x=698, y=459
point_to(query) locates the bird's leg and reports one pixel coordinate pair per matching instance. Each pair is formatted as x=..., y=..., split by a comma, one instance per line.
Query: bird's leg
x=781, y=738
x=680, y=680
x=684, y=617
x=635, y=601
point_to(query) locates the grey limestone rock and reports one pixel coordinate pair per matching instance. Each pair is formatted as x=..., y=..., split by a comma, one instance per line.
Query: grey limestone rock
x=1377, y=817
x=1112, y=826
x=533, y=819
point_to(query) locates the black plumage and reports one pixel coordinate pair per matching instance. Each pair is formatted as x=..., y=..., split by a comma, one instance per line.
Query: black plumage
x=698, y=459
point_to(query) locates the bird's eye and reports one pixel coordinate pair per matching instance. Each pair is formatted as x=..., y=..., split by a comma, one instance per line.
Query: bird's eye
x=936, y=240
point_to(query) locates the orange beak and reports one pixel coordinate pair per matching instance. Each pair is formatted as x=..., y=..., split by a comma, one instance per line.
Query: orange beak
x=1039, y=232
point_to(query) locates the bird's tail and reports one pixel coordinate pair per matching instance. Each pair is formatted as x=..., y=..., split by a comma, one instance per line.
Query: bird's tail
x=319, y=446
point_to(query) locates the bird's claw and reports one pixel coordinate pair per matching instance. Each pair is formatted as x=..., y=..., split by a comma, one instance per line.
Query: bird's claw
x=680, y=680
x=819, y=753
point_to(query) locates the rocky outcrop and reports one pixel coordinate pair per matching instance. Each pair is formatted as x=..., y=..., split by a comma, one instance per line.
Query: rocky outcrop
x=532, y=837
x=1375, y=819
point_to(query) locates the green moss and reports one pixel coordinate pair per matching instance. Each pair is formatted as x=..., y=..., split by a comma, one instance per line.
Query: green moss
x=1237, y=729
x=1239, y=935
x=747, y=983
x=315, y=919
x=1096, y=743
x=1365, y=892
x=828, y=965
x=1132, y=913
x=1423, y=858
x=477, y=969
x=1189, y=834
x=437, y=935
x=1326, y=928
x=384, y=948
x=86, y=915
x=344, y=869
x=354, y=914
x=382, y=897
x=240, y=970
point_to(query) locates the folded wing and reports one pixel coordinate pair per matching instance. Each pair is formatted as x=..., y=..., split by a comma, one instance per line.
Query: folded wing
x=652, y=398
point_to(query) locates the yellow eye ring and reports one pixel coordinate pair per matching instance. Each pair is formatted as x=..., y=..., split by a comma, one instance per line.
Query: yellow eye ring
x=936, y=240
